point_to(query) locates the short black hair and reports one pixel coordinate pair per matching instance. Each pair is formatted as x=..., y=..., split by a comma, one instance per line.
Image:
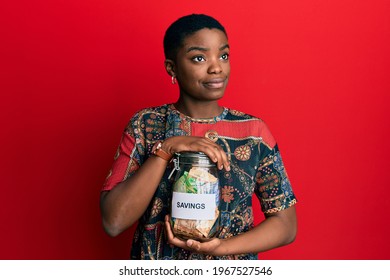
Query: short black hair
x=185, y=26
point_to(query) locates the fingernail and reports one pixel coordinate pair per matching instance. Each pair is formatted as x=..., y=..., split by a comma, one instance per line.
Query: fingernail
x=189, y=243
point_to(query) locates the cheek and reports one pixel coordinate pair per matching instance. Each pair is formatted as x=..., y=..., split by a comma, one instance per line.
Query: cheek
x=192, y=75
x=226, y=68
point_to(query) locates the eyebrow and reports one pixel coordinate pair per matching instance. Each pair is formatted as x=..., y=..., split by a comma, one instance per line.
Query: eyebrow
x=195, y=48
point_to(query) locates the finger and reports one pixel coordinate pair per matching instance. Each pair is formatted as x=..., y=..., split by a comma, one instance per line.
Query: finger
x=203, y=247
x=168, y=229
x=214, y=152
x=222, y=158
x=193, y=244
x=171, y=238
x=209, y=150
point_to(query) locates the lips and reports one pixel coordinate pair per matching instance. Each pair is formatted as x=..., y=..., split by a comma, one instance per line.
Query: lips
x=215, y=83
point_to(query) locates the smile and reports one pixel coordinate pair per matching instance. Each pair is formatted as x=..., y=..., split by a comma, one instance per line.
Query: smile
x=215, y=83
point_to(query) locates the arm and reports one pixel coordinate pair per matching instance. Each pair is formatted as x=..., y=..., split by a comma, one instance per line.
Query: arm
x=276, y=230
x=127, y=201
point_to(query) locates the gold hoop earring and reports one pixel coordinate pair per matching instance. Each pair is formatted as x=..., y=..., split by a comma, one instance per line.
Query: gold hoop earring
x=174, y=80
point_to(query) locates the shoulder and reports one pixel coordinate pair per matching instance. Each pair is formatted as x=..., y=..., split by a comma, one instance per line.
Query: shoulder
x=151, y=112
x=150, y=116
x=244, y=118
x=251, y=125
x=239, y=115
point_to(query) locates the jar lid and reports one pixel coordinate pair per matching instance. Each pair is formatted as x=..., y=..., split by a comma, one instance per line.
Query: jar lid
x=194, y=158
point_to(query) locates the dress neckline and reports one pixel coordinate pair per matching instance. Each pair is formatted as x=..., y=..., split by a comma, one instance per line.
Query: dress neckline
x=200, y=120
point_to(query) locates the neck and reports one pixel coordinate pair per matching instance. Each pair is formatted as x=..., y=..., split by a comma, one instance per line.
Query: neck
x=199, y=110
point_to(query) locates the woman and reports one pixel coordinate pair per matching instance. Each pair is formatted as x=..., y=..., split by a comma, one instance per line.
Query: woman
x=137, y=188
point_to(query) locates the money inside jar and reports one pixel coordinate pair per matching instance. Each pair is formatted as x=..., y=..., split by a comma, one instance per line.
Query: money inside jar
x=195, y=198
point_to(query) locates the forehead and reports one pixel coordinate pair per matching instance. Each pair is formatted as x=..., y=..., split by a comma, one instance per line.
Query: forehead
x=206, y=38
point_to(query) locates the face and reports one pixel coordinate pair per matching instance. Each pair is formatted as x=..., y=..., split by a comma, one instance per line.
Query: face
x=202, y=65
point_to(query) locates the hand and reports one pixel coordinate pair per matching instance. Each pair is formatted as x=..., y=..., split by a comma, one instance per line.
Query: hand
x=212, y=247
x=179, y=144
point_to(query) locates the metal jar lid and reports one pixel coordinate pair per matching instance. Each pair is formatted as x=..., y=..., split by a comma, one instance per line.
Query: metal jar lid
x=194, y=158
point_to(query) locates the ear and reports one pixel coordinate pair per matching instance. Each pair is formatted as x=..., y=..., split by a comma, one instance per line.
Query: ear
x=170, y=67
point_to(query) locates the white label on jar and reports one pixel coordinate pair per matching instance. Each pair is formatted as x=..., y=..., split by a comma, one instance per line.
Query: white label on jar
x=193, y=206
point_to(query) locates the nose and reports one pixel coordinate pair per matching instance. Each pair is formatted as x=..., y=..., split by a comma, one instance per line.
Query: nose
x=215, y=67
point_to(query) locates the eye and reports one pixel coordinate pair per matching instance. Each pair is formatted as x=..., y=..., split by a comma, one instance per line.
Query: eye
x=198, y=58
x=225, y=56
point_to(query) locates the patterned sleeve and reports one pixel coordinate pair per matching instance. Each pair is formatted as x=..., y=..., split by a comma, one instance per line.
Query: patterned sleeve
x=273, y=186
x=128, y=157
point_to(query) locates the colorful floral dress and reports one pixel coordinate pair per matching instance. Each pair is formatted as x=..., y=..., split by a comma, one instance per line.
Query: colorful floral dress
x=256, y=168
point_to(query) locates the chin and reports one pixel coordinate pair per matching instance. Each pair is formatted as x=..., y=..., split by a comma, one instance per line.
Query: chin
x=214, y=93
x=218, y=94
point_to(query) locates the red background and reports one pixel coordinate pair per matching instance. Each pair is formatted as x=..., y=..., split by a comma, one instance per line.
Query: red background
x=74, y=72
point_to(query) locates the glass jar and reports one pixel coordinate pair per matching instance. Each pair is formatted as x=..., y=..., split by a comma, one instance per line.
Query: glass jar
x=195, y=197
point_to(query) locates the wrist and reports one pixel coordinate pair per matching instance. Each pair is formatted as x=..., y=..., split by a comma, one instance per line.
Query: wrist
x=166, y=147
x=170, y=145
x=159, y=150
x=222, y=249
